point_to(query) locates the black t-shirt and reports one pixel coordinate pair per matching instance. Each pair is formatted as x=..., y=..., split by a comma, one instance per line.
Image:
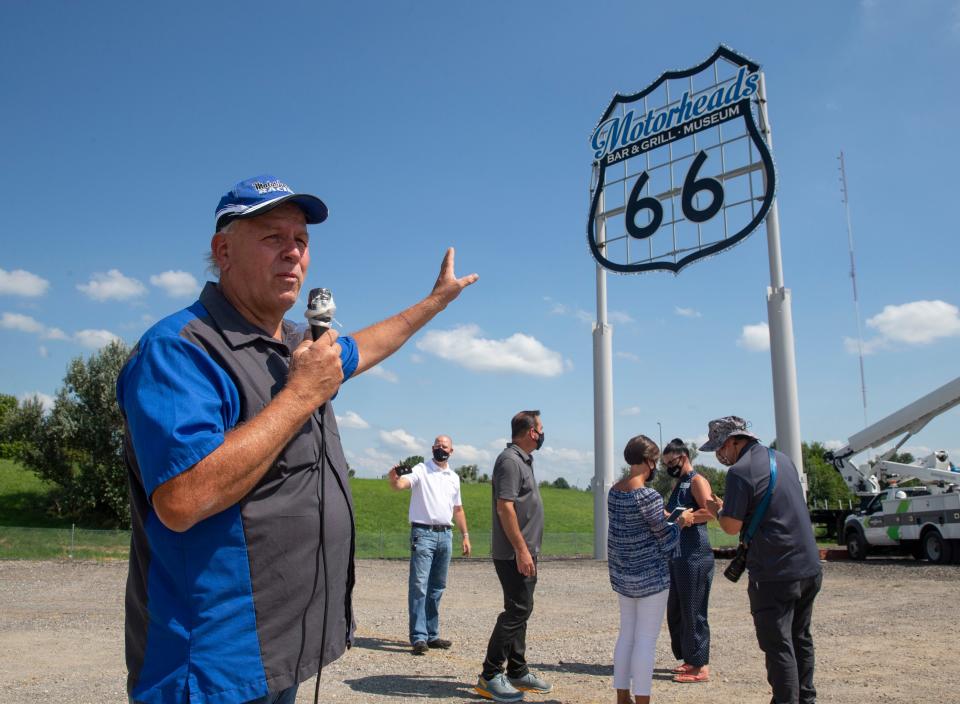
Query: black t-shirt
x=783, y=547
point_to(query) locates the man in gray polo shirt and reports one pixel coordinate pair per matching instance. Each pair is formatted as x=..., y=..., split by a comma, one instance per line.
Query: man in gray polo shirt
x=517, y=533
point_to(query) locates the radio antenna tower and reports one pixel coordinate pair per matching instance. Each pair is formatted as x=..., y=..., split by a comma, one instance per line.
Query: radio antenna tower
x=853, y=280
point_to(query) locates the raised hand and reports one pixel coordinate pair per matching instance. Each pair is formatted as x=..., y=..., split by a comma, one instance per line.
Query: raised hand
x=448, y=286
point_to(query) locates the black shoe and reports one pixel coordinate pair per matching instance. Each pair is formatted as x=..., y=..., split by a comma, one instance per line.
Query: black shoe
x=419, y=648
x=439, y=643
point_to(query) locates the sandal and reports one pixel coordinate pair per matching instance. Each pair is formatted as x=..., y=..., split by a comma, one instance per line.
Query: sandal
x=688, y=678
x=682, y=669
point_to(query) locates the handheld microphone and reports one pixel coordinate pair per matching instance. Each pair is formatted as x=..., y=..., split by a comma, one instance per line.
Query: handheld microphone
x=320, y=310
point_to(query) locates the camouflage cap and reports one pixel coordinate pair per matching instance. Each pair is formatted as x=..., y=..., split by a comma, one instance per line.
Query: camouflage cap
x=722, y=428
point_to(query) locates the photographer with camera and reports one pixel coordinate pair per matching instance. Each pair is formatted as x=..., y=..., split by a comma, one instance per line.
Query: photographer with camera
x=764, y=503
x=434, y=503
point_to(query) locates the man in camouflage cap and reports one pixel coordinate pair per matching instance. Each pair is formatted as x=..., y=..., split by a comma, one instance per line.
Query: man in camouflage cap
x=783, y=560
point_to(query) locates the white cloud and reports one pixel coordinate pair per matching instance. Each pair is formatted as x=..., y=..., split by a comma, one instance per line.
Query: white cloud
x=615, y=316
x=576, y=466
x=351, y=419
x=401, y=439
x=519, y=353
x=382, y=372
x=686, y=312
x=416, y=358
x=23, y=323
x=468, y=454
x=94, y=339
x=628, y=355
x=833, y=444
x=46, y=400
x=917, y=323
x=630, y=411
x=112, y=286
x=176, y=284
x=371, y=462
x=22, y=283
x=755, y=338
x=851, y=345
x=498, y=443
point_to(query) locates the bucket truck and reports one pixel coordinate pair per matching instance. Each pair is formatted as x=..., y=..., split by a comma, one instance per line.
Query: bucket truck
x=920, y=520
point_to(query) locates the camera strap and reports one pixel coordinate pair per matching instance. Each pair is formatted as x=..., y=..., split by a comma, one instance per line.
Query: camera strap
x=764, y=502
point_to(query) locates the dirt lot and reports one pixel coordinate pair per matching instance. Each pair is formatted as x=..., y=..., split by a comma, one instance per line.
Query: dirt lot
x=885, y=631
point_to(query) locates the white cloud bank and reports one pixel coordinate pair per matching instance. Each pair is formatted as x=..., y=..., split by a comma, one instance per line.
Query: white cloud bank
x=112, y=286
x=176, y=284
x=916, y=323
x=351, y=419
x=755, y=338
x=402, y=440
x=518, y=353
x=22, y=283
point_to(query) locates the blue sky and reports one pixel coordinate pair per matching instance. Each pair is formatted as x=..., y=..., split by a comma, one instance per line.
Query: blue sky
x=432, y=124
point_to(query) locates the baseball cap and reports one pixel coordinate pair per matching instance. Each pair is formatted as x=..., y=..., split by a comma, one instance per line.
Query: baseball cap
x=722, y=428
x=258, y=195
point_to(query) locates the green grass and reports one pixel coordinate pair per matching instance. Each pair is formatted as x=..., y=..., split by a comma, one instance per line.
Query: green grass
x=27, y=531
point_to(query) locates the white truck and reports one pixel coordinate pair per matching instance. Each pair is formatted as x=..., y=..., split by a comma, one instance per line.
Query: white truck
x=923, y=520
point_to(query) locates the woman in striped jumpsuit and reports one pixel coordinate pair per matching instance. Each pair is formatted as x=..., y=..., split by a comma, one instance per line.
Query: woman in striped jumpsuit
x=691, y=571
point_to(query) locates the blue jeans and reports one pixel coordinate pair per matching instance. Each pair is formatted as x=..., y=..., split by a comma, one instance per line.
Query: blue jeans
x=429, y=559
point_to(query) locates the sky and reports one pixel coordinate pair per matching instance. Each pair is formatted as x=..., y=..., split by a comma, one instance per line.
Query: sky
x=424, y=125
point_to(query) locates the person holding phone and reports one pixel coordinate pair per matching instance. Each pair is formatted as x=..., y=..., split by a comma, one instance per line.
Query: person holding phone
x=639, y=543
x=691, y=569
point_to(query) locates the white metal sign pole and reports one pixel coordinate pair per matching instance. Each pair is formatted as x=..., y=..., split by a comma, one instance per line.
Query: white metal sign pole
x=602, y=401
x=782, y=356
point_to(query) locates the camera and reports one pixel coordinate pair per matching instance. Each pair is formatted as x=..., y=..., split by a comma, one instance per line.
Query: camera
x=401, y=470
x=737, y=565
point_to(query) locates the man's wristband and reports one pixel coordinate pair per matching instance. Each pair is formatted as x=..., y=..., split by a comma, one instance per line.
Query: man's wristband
x=466, y=535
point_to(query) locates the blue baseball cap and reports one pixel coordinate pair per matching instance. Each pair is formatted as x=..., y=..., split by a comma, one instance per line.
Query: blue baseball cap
x=257, y=195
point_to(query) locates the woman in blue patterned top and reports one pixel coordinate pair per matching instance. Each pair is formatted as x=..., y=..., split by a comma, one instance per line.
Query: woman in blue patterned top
x=691, y=569
x=639, y=543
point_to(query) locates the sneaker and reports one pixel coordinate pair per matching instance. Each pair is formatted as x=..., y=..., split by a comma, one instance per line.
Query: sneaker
x=439, y=643
x=530, y=683
x=420, y=647
x=498, y=689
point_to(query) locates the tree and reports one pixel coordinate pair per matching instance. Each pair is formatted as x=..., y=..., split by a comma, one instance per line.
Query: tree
x=824, y=483
x=79, y=445
x=484, y=478
x=561, y=483
x=467, y=473
x=10, y=435
x=412, y=461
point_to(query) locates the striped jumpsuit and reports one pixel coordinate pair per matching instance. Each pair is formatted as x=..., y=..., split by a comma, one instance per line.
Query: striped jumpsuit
x=691, y=574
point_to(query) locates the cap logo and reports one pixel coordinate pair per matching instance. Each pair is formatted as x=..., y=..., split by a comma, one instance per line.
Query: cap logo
x=271, y=186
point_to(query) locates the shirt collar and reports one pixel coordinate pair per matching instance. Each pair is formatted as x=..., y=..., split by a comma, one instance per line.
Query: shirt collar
x=525, y=456
x=434, y=467
x=237, y=330
x=747, y=448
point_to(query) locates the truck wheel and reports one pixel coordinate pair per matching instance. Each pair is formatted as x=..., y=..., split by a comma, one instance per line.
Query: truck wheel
x=856, y=545
x=935, y=548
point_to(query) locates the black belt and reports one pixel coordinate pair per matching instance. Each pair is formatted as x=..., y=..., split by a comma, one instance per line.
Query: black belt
x=428, y=526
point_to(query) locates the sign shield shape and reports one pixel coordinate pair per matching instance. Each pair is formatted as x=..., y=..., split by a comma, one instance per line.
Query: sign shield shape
x=681, y=169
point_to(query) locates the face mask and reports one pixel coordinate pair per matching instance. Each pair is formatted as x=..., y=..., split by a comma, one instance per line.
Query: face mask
x=722, y=458
x=540, y=439
x=674, y=470
x=440, y=455
x=653, y=473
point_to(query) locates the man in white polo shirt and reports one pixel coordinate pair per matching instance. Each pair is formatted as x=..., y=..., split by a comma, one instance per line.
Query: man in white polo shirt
x=434, y=505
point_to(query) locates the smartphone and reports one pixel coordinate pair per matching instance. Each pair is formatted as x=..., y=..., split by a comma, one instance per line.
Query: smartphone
x=675, y=514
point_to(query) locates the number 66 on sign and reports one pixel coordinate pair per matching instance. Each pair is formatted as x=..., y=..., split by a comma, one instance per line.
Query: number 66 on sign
x=681, y=170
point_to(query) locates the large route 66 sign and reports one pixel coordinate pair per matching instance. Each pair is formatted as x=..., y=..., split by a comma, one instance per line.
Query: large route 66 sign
x=681, y=169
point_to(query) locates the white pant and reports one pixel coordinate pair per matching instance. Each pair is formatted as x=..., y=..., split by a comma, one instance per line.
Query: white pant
x=640, y=621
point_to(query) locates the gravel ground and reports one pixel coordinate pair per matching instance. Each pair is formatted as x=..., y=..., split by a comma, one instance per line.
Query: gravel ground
x=885, y=631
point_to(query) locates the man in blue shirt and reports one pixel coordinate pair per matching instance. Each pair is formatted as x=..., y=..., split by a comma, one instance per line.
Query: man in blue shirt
x=783, y=560
x=241, y=561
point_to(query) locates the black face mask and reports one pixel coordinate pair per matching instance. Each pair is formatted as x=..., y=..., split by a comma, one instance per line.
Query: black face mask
x=540, y=439
x=675, y=470
x=440, y=455
x=653, y=473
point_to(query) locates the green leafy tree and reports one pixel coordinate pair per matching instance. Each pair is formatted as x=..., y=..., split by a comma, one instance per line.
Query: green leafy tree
x=79, y=445
x=560, y=483
x=467, y=473
x=10, y=434
x=411, y=461
x=824, y=483
x=484, y=478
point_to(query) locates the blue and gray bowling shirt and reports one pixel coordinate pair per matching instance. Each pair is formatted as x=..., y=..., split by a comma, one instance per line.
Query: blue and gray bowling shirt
x=233, y=607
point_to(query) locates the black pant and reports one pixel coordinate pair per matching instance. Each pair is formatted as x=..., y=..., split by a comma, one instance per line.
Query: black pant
x=781, y=615
x=508, y=642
